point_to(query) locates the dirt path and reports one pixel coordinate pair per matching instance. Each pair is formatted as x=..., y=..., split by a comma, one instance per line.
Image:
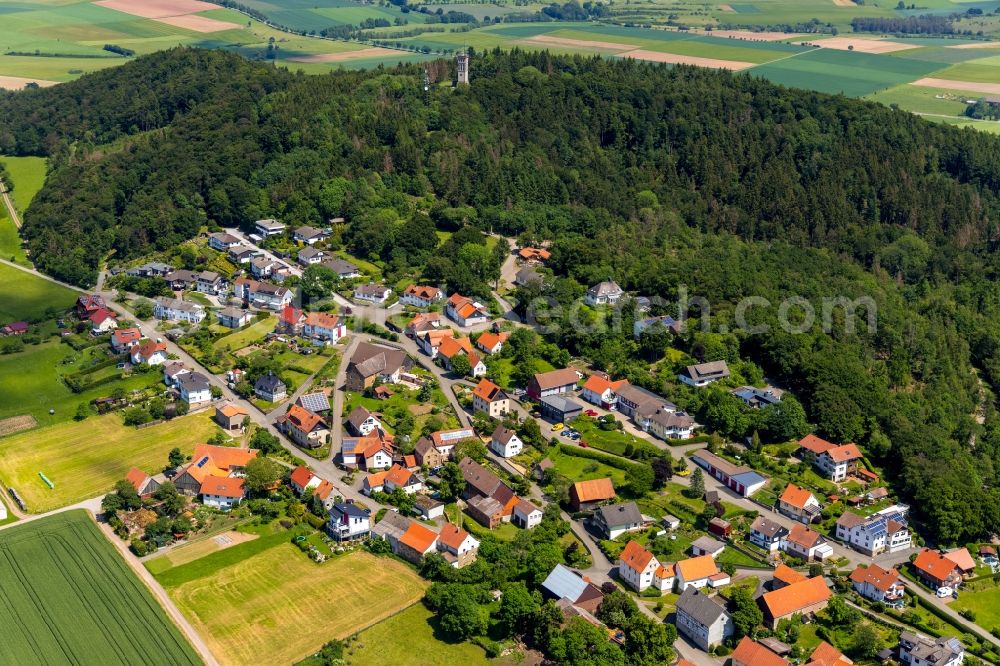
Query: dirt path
x=10, y=205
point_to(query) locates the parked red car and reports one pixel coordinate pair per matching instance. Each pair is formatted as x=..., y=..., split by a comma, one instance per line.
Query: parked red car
x=590, y=412
x=584, y=444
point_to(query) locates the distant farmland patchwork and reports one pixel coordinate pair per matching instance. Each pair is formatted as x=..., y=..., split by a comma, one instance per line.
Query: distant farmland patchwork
x=68, y=597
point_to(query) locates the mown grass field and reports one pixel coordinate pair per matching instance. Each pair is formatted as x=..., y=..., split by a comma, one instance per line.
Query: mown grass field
x=68, y=597
x=10, y=240
x=278, y=606
x=28, y=297
x=984, y=603
x=381, y=644
x=86, y=459
x=28, y=175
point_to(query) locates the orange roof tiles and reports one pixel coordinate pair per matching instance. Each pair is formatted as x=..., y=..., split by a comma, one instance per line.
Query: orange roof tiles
x=452, y=536
x=815, y=444
x=594, y=490
x=487, y=390
x=796, y=597
x=323, y=490
x=934, y=564
x=399, y=476
x=418, y=537
x=827, y=655
x=796, y=496
x=599, y=384
x=803, y=536
x=844, y=453
x=136, y=477
x=377, y=479
x=635, y=556
x=489, y=340
x=223, y=486
x=534, y=253
x=881, y=579
x=302, y=419
x=148, y=348
x=232, y=410
x=322, y=320
x=752, y=653
x=961, y=558
x=451, y=346
x=224, y=457
x=123, y=335
x=301, y=476
x=696, y=568
x=422, y=291
x=788, y=575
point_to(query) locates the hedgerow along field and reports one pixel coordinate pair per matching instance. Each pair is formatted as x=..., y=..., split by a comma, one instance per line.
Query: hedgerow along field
x=69, y=597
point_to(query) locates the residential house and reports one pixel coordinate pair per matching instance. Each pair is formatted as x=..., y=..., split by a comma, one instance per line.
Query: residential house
x=231, y=317
x=554, y=382
x=291, y=320
x=263, y=295
x=89, y=303
x=706, y=545
x=836, y=462
x=429, y=508
x=465, y=311
x=756, y=398
x=371, y=362
x=491, y=342
x=374, y=482
x=751, y=653
x=222, y=493
x=437, y=449
x=423, y=322
x=633, y=401
x=505, y=443
x=264, y=268
x=270, y=387
x=451, y=347
x=309, y=235
x=222, y=241
x=403, y=479
x=243, y=254
x=586, y=495
x=533, y=255
x=215, y=462
x=784, y=575
x=767, y=534
x=616, y=519
x=701, y=619
x=639, y=569
x=603, y=293
x=936, y=570
x=526, y=515
x=230, y=417
x=669, y=425
x=564, y=583
x=324, y=328
x=878, y=584
x=807, y=544
x=124, y=339
x=102, y=321
x=348, y=522
x=174, y=309
x=210, y=282
x=487, y=511
x=345, y=270
x=269, y=227
x=601, y=391
x=695, y=572
x=457, y=546
x=16, y=328
x=194, y=388
x=372, y=293
x=151, y=269
x=309, y=256
x=885, y=530
x=376, y=452
x=740, y=479
x=181, y=279
x=360, y=422
x=416, y=542
x=827, y=655
x=526, y=276
x=420, y=296
x=149, y=352
x=704, y=374
x=806, y=597
x=490, y=399
x=143, y=483
x=392, y=526
x=665, y=322
x=305, y=428
x=963, y=561
x=918, y=650
x=557, y=409
x=799, y=504
x=172, y=373
x=429, y=341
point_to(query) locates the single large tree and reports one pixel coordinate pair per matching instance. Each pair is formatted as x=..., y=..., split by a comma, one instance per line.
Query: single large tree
x=261, y=474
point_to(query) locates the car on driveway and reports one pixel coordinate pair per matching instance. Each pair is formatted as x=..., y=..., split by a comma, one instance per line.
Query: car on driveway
x=591, y=413
x=557, y=427
x=944, y=592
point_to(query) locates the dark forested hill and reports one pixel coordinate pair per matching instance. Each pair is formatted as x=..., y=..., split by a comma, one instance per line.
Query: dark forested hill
x=656, y=176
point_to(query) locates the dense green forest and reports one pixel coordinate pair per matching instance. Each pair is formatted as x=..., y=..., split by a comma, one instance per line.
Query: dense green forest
x=659, y=177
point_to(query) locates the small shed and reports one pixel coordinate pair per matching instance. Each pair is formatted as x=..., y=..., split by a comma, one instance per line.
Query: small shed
x=719, y=527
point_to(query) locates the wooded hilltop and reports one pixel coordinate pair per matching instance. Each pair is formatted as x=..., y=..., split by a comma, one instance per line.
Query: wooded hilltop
x=655, y=176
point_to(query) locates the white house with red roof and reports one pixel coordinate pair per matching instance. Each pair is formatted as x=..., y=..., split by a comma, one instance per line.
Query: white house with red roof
x=149, y=352
x=601, y=391
x=835, y=461
x=102, y=320
x=421, y=296
x=222, y=493
x=403, y=479
x=640, y=569
x=324, y=327
x=799, y=504
x=878, y=584
x=465, y=311
x=124, y=339
x=491, y=342
x=457, y=546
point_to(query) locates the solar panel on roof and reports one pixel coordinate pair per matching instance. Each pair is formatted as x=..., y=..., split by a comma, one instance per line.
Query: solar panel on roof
x=458, y=434
x=201, y=463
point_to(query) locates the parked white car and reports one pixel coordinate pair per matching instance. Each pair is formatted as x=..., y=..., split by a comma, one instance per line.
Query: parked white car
x=944, y=592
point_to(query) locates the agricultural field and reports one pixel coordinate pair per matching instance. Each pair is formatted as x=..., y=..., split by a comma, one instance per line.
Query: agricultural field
x=67, y=592
x=30, y=298
x=983, y=600
x=28, y=175
x=256, y=609
x=380, y=644
x=85, y=460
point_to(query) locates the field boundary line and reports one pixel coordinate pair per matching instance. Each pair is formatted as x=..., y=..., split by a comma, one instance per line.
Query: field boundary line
x=10, y=205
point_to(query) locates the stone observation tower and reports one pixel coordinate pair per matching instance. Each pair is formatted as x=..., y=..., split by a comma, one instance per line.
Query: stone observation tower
x=463, y=67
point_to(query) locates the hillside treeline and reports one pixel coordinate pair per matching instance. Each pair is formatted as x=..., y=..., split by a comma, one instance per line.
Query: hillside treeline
x=658, y=177
x=927, y=24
